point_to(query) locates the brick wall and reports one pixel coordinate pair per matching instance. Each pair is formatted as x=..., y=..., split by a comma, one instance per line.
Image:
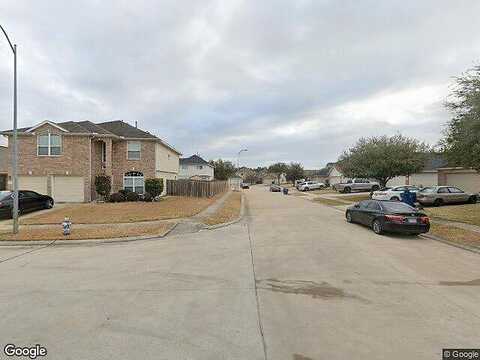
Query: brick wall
x=121, y=165
x=75, y=157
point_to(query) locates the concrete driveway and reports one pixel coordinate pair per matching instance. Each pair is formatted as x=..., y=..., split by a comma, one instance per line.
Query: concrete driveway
x=292, y=281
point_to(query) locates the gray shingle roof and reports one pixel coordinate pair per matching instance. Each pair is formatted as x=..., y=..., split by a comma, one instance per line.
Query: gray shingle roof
x=194, y=159
x=120, y=128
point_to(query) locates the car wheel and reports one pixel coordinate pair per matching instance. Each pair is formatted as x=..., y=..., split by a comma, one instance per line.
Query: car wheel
x=438, y=202
x=375, y=187
x=48, y=204
x=472, y=199
x=395, y=198
x=349, y=216
x=306, y=189
x=347, y=190
x=377, y=227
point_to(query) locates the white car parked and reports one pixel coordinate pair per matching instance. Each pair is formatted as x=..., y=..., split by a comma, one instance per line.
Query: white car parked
x=310, y=185
x=393, y=193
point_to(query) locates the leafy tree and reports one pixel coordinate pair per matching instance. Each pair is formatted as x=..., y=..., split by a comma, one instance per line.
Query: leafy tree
x=154, y=187
x=462, y=136
x=294, y=172
x=383, y=158
x=278, y=169
x=103, y=185
x=223, y=170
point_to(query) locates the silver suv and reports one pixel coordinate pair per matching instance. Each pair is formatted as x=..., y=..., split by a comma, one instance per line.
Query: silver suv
x=310, y=185
x=357, y=185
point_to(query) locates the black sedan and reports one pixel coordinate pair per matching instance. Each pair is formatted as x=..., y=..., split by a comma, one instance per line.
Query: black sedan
x=27, y=201
x=389, y=216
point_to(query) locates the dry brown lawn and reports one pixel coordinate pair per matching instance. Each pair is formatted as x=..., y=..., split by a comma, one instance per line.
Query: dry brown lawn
x=469, y=213
x=354, y=198
x=323, y=191
x=89, y=232
x=456, y=235
x=229, y=211
x=105, y=213
x=330, y=202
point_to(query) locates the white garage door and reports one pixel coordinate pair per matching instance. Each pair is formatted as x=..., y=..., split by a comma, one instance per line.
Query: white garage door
x=67, y=189
x=34, y=183
x=467, y=181
x=424, y=179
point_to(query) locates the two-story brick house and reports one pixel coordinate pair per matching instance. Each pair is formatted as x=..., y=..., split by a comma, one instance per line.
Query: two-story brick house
x=63, y=159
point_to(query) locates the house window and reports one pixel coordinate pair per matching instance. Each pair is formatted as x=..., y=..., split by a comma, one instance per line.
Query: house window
x=49, y=145
x=200, y=167
x=133, y=149
x=104, y=152
x=134, y=181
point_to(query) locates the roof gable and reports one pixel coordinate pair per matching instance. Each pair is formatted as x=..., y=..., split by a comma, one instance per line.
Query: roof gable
x=46, y=122
x=193, y=160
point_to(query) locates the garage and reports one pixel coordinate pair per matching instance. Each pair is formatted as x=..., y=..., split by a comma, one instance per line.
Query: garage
x=34, y=183
x=467, y=181
x=67, y=189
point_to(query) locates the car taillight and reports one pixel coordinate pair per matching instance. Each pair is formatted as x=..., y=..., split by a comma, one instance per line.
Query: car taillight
x=399, y=219
x=424, y=220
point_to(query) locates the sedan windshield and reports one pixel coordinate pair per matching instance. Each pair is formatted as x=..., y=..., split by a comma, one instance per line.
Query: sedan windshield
x=4, y=195
x=395, y=206
x=428, y=190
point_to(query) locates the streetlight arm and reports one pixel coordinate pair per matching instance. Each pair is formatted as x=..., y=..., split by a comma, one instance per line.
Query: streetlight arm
x=8, y=39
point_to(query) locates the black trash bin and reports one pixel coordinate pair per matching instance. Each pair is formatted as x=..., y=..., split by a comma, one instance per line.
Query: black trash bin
x=285, y=191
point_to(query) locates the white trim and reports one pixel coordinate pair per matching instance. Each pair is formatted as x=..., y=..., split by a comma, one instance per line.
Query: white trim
x=45, y=123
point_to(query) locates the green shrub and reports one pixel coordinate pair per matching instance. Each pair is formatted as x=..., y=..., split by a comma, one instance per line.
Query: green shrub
x=124, y=192
x=147, y=197
x=132, y=196
x=103, y=185
x=117, y=197
x=154, y=187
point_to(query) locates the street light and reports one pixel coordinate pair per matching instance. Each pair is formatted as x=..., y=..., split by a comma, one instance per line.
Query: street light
x=15, y=153
x=238, y=157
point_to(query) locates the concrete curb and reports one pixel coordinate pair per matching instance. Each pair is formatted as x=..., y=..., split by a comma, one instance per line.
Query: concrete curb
x=240, y=217
x=86, y=241
x=447, y=242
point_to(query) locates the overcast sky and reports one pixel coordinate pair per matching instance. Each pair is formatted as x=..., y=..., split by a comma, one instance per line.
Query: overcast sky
x=288, y=80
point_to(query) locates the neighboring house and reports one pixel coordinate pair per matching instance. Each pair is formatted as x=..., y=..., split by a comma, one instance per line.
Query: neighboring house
x=63, y=159
x=3, y=167
x=436, y=171
x=428, y=176
x=270, y=178
x=329, y=175
x=195, y=168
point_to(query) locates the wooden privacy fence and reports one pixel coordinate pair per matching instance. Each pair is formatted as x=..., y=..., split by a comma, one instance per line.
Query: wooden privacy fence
x=196, y=188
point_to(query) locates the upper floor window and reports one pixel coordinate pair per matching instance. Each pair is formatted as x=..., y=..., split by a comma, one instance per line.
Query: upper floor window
x=133, y=150
x=49, y=145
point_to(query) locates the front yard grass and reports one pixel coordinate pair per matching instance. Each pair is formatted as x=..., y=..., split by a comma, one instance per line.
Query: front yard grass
x=330, y=202
x=89, y=232
x=456, y=235
x=323, y=191
x=354, y=198
x=110, y=213
x=229, y=211
x=469, y=213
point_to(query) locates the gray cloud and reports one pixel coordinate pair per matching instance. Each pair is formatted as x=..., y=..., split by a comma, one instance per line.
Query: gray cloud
x=291, y=81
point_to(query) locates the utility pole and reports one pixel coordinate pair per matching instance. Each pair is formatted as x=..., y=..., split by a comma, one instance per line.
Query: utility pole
x=15, y=148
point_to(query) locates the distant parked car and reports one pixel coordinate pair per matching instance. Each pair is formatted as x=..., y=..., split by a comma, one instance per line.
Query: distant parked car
x=245, y=186
x=393, y=193
x=27, y=201
x=357, y=185
x=389, y=216
x=310, y=185
x=441, y=195
x=275, y=188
